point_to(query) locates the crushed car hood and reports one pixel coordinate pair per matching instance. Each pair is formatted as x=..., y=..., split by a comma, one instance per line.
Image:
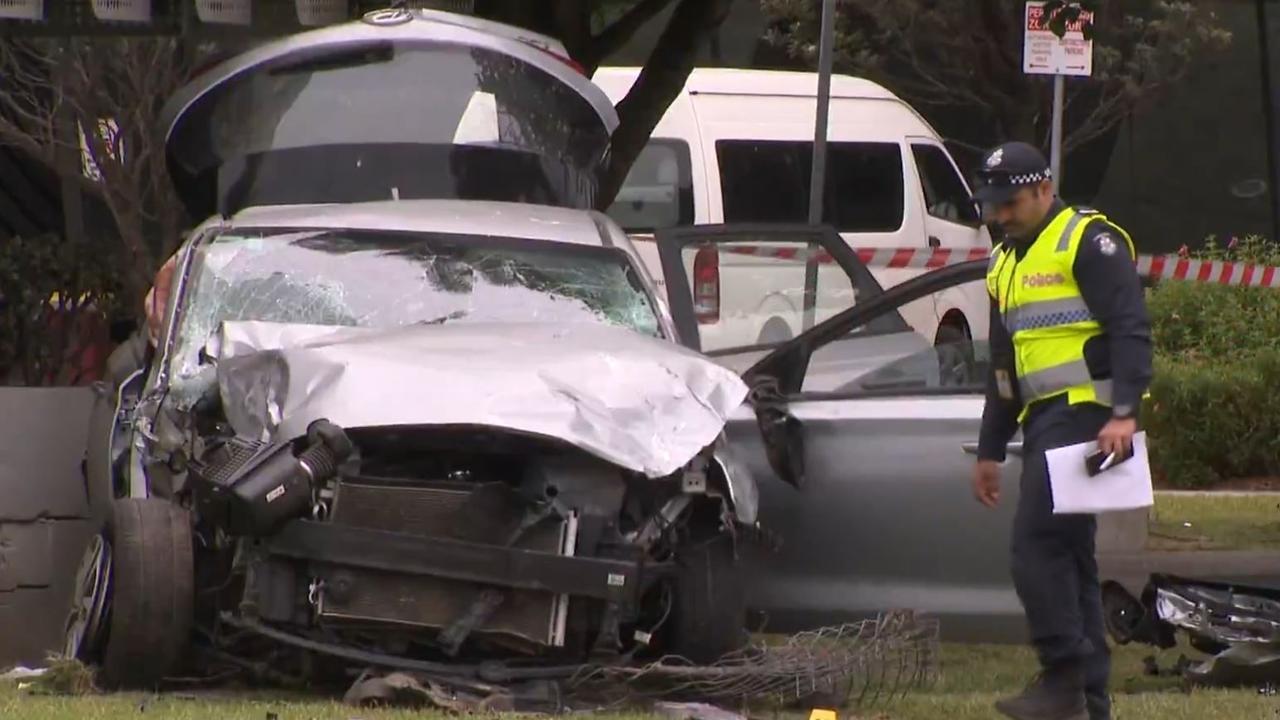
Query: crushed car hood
x=642, y=403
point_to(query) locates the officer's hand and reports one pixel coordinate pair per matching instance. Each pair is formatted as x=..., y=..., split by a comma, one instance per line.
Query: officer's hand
x=1117, y=436
x=986, y=482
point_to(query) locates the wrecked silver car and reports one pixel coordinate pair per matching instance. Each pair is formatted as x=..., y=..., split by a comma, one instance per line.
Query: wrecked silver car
x=370, y=436
x=398, y=415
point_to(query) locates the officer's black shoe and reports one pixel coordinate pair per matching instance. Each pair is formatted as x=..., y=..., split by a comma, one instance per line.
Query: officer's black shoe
x=1055, y=694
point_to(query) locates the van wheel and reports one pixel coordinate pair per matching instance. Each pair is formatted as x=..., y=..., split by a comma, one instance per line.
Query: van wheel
x=954, y=349
x=140, y=612
x=774, y=332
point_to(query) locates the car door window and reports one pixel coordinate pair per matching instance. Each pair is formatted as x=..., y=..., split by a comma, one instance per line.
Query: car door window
x=744, y=288
x=902, y=363
x=945, y=194
x=767, y=181
x=897, y=365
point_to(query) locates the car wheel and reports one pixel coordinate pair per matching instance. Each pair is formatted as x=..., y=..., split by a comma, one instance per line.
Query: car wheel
x=710, y=606
x=148, y=592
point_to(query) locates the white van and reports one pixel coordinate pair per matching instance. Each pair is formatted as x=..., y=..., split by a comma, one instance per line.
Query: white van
x=736, y=147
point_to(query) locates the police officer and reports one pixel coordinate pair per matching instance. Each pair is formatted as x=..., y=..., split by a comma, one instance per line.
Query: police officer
x=1071, y=361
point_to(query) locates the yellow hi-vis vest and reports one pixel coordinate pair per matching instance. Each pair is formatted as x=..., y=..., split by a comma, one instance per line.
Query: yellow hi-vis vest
x=1041, y=306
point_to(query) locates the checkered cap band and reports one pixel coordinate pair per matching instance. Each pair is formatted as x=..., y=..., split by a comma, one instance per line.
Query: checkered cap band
x=1003, y=179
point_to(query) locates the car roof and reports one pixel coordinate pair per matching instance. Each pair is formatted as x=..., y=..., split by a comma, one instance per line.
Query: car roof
x=737, y=81
x=516, y=220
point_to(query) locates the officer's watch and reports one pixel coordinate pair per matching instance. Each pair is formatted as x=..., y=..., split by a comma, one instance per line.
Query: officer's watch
x=1123, y=412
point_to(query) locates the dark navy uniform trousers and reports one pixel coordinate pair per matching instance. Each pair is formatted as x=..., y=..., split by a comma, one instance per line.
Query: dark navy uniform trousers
x=1054, y=568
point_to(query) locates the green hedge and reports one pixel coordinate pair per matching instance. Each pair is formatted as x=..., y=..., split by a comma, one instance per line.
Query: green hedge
x=1211, y=421
x=1214, y=412
x=1220, y=323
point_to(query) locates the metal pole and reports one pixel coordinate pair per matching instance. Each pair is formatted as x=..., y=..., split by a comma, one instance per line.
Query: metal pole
x=819, y=170
x=1055, y=152
x=1270, y=91
x=818, y=174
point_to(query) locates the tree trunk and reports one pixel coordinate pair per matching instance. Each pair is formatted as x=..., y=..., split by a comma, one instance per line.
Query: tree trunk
x=660, y=81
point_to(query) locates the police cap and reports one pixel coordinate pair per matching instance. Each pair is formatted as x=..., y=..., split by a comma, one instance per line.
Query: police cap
x=1008, y=168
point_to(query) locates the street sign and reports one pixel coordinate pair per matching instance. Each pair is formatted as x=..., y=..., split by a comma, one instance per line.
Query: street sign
x=1044, y=53
x=22, y=9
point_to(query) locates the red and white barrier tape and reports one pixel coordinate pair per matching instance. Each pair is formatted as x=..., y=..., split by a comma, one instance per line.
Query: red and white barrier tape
x=1156, y=267
x=923, y=259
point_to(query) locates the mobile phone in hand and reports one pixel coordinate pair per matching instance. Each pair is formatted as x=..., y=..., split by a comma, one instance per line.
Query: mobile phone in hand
x=1101, y=460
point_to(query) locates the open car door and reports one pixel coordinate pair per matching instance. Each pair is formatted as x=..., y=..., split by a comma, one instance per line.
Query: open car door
x=860, y=434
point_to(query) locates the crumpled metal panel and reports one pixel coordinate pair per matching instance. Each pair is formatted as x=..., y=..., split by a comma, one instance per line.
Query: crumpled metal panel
x=1224, y=616
x=641, y=403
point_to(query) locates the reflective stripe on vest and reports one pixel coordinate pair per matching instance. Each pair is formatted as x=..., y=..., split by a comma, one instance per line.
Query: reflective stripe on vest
x=1047, y=318
x=1047, y=313
x=1056, y=379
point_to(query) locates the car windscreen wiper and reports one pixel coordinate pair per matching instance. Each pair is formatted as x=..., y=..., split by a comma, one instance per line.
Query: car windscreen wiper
x=455, y=315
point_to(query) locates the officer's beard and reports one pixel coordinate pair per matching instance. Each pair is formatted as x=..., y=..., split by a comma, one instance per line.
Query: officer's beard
x=998, y=233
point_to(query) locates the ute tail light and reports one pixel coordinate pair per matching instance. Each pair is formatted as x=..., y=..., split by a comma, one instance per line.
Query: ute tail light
x=706, y=285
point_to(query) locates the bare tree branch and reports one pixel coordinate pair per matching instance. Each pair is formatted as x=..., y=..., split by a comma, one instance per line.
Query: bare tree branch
x=99, y=81
x=658, y=85
x=969, y=55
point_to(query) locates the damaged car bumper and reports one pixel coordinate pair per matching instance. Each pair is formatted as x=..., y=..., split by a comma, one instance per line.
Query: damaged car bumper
x=1237, y=625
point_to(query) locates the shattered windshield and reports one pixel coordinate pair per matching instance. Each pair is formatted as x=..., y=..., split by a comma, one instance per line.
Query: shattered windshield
x=381, y=279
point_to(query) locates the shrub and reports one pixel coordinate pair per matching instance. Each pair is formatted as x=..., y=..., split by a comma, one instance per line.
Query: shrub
x=55, y=296
x=1196, y=321
x=1213, y=413
x=1211, y=420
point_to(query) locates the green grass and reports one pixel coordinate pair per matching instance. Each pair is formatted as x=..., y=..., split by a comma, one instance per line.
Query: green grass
x=1215, y=522
x=972, y=678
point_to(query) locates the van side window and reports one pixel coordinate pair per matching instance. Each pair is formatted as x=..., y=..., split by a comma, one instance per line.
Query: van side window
x=944, y=192
x=864, y=186
x=763, y=181
x=658, y=191
x=768, y=181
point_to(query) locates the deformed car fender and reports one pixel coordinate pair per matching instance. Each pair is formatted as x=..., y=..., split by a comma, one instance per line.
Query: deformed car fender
x=739, y=482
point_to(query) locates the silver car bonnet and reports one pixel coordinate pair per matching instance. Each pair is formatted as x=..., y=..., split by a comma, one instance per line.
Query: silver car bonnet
x=641, y=403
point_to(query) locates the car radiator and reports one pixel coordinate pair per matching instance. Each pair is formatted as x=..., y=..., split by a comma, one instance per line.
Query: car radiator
x=486, y=513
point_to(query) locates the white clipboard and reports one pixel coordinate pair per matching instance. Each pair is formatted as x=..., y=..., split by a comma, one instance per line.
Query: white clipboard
x=1126, y=486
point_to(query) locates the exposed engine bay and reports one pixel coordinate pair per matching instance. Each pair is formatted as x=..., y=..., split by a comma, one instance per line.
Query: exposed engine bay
x=447, y=543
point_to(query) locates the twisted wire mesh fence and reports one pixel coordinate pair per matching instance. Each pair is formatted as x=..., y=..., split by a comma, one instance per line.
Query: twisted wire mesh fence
x=854, y=665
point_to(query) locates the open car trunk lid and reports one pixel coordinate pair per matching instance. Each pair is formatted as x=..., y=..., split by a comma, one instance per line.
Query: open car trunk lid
x=402, y=104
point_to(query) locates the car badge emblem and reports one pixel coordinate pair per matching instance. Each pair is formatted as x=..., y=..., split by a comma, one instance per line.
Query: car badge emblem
x=384, y=18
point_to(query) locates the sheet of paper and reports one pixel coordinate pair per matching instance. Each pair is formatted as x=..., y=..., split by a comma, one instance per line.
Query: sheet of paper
x=1126, y=486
